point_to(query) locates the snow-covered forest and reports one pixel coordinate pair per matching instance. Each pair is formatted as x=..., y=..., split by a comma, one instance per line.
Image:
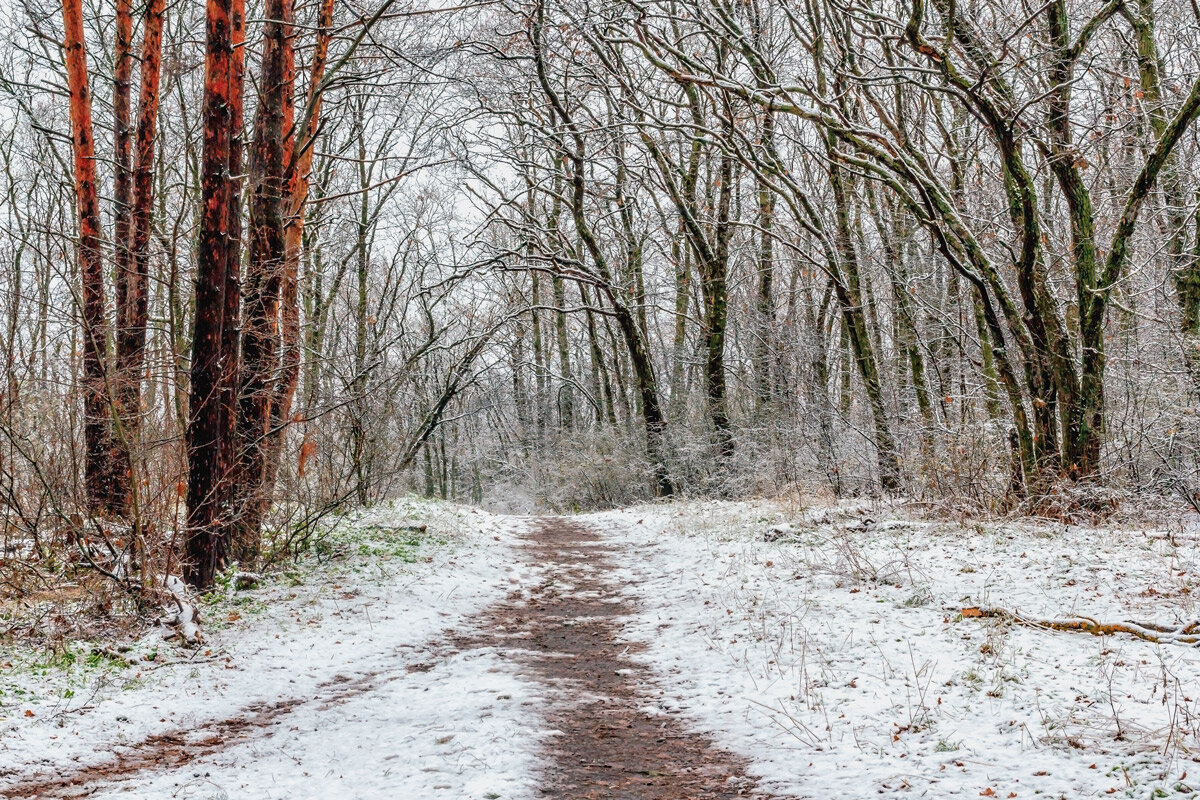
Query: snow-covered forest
x=689, y=398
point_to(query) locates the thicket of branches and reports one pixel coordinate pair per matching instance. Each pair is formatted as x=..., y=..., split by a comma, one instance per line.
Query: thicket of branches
x=931, y=248
x=578, y=254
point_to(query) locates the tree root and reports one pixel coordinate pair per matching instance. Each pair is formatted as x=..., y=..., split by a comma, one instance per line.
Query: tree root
x=1188, y=633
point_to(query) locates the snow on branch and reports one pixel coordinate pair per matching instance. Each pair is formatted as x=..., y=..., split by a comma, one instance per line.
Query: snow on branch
x=183, y=619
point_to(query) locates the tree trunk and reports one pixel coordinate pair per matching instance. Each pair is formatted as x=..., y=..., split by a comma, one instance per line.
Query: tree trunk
x=716, y=310
x=566, y=394
x=134, y=309
x=817, y=388
x=264, y=277
x=849, y=297
x=681, y=258
x=539, y=356
x=765, y=301
x=358, y=386
x=208, y=501
x=300, y=143
x=231, y=332
x=93, y=329
x=605, y=406
x=298, y=147
x=121, y=460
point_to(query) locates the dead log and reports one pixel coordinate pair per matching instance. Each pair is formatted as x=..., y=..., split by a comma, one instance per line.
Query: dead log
x=1188, y=633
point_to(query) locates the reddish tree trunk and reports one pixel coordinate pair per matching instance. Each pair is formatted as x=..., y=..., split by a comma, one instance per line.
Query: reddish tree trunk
x=233, y=283
x=298, y=145
x=97, y=441
x=132, y=308
x=304, y=140
x=301, y=144
x=264, y=274
x=289, y=369
x=208, y=500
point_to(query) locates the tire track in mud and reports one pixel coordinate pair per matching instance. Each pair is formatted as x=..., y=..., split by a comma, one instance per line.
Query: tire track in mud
x=608, y=741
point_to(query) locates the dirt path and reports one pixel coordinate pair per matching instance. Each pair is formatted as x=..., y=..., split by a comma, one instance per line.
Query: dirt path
x=610, y=740
x=614, y=743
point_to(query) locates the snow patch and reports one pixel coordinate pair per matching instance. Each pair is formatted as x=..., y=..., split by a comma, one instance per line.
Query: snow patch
x=833, y=657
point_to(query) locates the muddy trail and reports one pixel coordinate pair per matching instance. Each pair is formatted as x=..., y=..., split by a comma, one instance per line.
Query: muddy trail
x=610, y=740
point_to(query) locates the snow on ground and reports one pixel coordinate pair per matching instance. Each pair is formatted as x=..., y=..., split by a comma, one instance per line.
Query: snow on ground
x=835, y=659
x=382, y=713
x=832, y=657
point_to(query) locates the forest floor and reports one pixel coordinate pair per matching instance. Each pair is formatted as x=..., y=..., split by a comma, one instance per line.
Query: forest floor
x=694, y=650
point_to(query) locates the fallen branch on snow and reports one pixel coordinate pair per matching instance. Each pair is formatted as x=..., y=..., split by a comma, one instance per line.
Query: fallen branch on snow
x=1188, y=633
x=183, y=618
